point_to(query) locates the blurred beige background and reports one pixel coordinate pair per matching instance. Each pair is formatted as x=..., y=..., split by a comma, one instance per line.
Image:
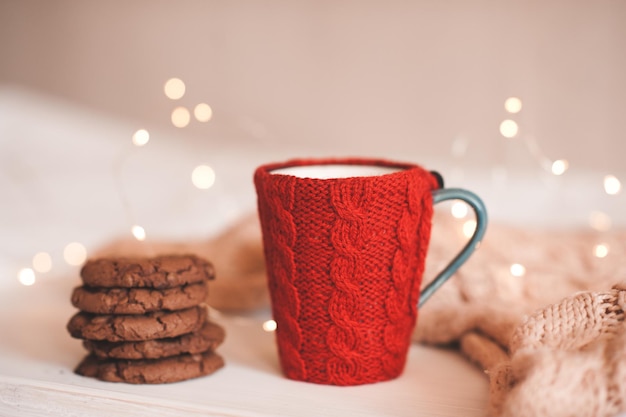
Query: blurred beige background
x=361, y=77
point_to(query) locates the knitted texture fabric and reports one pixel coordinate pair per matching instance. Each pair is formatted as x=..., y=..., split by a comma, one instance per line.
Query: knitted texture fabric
x=552, y=340
x=577, y=347
x=345, y=259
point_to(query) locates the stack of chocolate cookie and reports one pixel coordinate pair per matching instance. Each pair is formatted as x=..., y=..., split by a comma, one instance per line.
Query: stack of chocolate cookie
x=143, y=321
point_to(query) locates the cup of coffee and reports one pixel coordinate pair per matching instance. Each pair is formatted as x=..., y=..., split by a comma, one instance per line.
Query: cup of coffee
x=345, y=242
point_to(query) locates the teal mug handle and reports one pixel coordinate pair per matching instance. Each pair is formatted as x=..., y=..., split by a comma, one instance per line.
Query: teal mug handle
x=481, y=225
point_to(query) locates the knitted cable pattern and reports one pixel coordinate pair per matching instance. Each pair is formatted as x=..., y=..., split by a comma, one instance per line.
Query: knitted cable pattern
x=407, y=270
x=281, y=265
x=345, y=304
x=355, y=260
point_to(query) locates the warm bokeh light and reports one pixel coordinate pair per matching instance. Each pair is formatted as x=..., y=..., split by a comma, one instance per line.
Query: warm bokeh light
x=174, y=88
x=269, y=325
x=509, y=128
x=518, y=270
x=180, y=117
x=601, y=250
x=458, y=210
x=75, y=253
x=612, y=185
x=139, y=232
x=26, y=276
x=469, y=227
x=513, y=105
x=203, y=177
x=559, y=166
x=42, y=262
x=141, y=137
x=203, y=112
x=599, y=221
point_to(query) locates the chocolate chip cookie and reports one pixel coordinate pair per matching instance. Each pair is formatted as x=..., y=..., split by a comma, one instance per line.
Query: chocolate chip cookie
x=158, y=272
x=130, y=328
x=102, y=300
x=151, y=371
x=144, y=321
x=209, y=337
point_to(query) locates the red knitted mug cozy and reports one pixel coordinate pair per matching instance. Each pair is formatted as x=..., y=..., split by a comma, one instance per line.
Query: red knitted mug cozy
x=345, y=259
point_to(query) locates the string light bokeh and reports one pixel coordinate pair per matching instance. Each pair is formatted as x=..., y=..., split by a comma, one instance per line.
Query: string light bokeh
x=269, y=325
x=174, y=88
x=601, y=250
x=513, y=105
x=203, y=112
x=180, y=117
x=42, y=262
x=203, y=177
x=559, y=167
x=26, y=276
x=138, y=232
x=518, y=270
x=511, y=129
x=75, y=253
x=141, y=137
x=612, y=185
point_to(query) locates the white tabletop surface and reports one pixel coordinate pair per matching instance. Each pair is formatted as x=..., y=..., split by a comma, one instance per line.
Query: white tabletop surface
x=64, y=175
x=37, y=357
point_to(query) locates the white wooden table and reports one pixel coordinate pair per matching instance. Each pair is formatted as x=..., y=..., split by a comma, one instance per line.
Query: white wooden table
x=37, y=357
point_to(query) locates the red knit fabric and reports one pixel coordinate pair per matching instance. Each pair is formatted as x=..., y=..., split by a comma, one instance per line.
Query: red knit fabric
x=345, y=259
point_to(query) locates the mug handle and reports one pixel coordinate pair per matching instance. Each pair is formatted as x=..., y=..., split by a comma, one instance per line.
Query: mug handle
x=481, y=225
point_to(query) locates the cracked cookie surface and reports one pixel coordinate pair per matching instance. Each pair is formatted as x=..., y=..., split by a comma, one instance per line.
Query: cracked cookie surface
x=209, y=337
x=102, y=300
x=159, y=272
x=151, y=371
x=155, y=325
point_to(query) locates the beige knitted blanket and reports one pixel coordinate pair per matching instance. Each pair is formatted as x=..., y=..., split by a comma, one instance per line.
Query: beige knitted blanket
x=552, y=341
